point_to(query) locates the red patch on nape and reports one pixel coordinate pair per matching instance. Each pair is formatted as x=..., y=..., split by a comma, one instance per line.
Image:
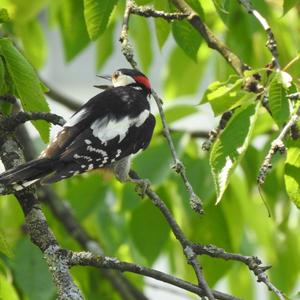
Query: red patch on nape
x=143, y=80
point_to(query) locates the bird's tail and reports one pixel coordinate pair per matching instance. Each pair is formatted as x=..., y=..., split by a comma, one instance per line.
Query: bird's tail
x=27, y=174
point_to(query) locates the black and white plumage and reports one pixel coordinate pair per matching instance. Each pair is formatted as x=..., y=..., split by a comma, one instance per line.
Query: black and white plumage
x=104, y=132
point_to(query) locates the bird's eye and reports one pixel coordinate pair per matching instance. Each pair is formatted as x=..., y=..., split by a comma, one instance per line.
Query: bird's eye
x=116, y=75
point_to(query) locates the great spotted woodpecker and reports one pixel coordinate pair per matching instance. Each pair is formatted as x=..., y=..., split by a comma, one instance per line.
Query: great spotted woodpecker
x=104, y=132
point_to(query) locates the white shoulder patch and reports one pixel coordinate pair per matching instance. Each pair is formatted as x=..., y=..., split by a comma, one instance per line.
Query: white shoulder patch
x=106, y=130
x=142, y=118
x=75, y=119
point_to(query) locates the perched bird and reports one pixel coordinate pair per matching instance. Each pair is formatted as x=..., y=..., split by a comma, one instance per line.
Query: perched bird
x=104, y=132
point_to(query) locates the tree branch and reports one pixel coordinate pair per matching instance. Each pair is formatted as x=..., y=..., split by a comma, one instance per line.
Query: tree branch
x=184, y=242
x=59, y=98
x=89, y=259
x=213, y=134
x=277, y=146
x=253, y=263
x=10, y=123
x=211, y=40
x=62, y=211
x=126, y=47
x=36, y=224
x=127, y=51
x=271, y=42
x=147, y=11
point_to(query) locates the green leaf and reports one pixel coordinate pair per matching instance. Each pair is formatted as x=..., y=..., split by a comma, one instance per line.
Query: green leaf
x=97, y=13
x=239, y=283
x=187, y=38
x=143, y=2
x=289, y=4
x=2, y=77
x=222, y=8
x=26, y=84
x=218, y=234
x=285, y=269
x=223, y=96
x=162, y=27
x=141, y=34
x=291, y=172
x=72, y=26
x=231, y=145
x=178, y=83
x=110, y=225
x=105, y=46
x=149, y=230
x=33, y=41
x=27, y=10
x=7, y=290
x=3, y=15
x=146, y=165
x=278, y=100
x=4, y=247
x=31, y=272
x=88, y=187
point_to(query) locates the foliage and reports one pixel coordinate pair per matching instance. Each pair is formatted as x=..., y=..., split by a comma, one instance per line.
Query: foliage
x=126, y=226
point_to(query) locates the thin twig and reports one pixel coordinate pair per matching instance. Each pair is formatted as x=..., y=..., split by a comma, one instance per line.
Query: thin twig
x=254, y=264
x=127, y=51
x=277, y=145
x=271, y=42
x=89, y=259
x=10, y=123
x=294, y=96
x=126, y=47
x=213, y=134
x=59, y=98
x=192, y=133
x=185, y=243
x=179, y=168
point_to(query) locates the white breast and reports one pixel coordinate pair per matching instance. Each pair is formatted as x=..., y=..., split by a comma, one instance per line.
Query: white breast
x=107, y=129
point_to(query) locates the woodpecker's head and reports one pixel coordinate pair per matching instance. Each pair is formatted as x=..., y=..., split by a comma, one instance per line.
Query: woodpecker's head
x=129, y=77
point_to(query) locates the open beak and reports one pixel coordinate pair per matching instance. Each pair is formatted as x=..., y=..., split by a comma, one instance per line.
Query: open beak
x=104, y=86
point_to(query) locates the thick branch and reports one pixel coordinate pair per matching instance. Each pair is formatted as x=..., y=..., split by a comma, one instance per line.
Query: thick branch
x=62, y=211
x=88, y=259
x=212, y=41
x=10, y=123
x=36, y=224
x=146, y=11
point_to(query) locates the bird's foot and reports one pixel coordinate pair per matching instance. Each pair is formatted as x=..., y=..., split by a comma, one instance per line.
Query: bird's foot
x=141, y=186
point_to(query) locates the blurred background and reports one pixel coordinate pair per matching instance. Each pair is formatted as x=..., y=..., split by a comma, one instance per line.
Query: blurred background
x=53, y=36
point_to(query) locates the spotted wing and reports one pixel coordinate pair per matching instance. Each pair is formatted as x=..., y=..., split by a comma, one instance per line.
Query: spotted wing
x=105, y=141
